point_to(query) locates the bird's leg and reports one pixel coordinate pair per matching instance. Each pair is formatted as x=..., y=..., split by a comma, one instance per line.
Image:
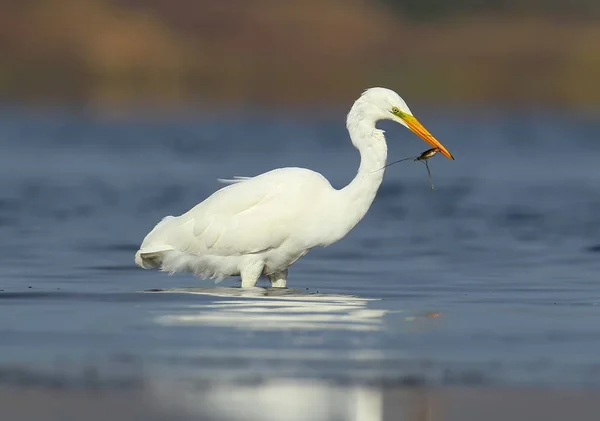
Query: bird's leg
x=278, y=279
x=251, y=273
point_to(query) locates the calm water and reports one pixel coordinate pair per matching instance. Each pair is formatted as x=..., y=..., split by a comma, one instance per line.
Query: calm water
x=491, y=279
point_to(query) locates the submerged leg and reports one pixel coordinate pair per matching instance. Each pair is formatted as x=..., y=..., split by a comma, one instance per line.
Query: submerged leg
x=251, y=273
x=278, y=279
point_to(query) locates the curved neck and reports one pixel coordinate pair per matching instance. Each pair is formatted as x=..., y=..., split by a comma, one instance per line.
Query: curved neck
x=372, y=147
x=356, y=198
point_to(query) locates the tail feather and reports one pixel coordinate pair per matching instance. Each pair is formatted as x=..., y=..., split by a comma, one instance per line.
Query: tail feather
x=151, y=257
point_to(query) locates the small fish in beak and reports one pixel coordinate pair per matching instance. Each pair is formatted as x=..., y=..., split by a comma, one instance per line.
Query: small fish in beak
x=423, y=158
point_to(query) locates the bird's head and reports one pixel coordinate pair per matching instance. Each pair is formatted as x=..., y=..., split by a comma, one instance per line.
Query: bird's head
x=385, y=104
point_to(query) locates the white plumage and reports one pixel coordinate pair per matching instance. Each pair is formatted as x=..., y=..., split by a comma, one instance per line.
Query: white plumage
x=261, y=225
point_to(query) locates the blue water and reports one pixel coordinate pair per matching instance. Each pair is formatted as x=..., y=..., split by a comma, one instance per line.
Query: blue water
x=490, y=279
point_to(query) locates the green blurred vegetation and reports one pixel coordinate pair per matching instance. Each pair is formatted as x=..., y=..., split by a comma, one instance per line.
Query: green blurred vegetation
x=168, y=52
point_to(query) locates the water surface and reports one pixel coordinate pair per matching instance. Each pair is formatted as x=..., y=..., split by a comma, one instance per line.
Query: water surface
x=491, y=279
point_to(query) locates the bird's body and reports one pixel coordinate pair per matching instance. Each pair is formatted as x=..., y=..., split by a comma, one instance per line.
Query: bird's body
x=262, y=225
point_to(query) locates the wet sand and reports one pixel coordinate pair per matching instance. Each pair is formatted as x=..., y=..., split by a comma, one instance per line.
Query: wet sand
x=296, y=401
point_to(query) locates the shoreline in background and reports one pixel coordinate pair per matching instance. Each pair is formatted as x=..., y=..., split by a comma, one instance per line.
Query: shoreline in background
x=117, y=52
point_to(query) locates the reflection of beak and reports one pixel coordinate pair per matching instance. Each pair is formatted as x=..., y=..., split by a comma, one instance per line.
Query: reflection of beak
x=422, y=132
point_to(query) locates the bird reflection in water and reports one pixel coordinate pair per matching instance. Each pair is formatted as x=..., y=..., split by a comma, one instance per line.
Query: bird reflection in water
x=276, y=309
x=296, y=400
x=286, y=399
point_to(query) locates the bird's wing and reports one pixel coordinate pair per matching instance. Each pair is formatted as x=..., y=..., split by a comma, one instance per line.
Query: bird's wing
x=244, y=218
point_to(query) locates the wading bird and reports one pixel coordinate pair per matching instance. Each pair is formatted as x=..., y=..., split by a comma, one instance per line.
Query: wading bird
x=261, y=225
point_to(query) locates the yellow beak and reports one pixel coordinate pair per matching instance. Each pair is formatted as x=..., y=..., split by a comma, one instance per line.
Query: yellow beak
x=422, y=132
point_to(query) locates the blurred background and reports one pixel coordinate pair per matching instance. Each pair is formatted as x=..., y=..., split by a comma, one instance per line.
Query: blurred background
x=451, y=304
x=107, y=53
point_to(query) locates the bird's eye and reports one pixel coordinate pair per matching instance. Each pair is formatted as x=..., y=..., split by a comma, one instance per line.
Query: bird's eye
x=395, y=110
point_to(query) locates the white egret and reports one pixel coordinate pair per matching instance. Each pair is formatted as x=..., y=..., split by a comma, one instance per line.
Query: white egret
x=261, y=225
